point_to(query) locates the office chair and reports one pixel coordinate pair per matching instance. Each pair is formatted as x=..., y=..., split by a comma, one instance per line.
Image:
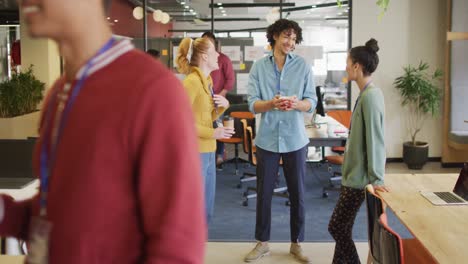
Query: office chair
x=237, y=138
x=278, y=191
x=385, y=245
x=344, y=118
x=394, y=249
x=375, y=207
x=247, y=176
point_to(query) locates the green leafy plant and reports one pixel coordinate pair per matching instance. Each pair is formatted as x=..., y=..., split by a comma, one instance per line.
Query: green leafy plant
x=383, y=4
x=421, y=93
x=21, y=94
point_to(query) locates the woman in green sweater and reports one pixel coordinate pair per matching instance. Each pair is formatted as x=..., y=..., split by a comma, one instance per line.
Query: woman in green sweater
x=364, y=158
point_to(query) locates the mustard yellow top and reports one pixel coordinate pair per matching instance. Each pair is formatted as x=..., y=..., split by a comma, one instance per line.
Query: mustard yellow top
x=198, y=87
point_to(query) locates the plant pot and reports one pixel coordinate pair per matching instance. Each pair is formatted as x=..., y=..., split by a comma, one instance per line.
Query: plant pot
x=415, y=156
x=20, y=127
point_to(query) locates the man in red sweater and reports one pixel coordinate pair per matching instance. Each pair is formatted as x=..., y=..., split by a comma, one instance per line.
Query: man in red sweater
x=117, y=155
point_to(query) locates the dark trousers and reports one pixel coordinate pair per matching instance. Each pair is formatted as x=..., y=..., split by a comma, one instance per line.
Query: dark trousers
x=294, y=172
x=341, y=225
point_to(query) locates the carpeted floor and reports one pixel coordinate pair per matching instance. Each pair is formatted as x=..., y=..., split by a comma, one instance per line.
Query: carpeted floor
x=234, y=222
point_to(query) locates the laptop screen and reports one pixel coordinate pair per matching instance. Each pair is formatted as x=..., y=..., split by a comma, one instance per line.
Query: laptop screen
x=461, y=187
x=16, y=158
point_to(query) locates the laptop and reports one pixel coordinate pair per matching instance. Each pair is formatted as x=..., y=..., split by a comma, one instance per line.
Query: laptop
x=16, y=163
x=459, y=196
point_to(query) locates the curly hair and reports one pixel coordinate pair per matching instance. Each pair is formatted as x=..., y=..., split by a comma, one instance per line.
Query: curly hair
x=281, y=25
x=366, y=56
x=200, y=46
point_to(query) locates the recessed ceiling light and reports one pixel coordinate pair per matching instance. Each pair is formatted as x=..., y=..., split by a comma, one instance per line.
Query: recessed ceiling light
x=224, y=14
x=182, y=3
x=314, y=6
x=115, y=20
x=187, y=7
x=220, y=4
x=108, y=18
x=191, y=10
x=221, y=7
x=223, y=11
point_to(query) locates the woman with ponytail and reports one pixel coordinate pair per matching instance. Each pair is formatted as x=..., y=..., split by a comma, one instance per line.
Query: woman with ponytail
x=197, y=59
x=364, y=158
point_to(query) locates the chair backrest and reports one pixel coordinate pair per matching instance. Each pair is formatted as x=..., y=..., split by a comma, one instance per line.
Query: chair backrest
x=239, y=126
x=390, y=242
x=244, y=129
x=250, y=144
x=342, y=116
x=375, y=208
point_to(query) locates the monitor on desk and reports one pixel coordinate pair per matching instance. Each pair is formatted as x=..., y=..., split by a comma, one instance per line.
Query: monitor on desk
x=319, y=110
x=16, y=163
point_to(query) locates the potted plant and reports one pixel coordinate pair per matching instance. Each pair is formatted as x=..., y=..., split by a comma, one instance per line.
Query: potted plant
x=421, y=94
x=19, y=99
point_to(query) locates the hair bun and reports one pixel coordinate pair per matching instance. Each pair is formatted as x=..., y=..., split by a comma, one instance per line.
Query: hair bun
x=372, y=44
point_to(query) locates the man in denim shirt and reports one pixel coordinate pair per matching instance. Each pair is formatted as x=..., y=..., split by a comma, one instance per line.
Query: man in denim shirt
x=281, y=87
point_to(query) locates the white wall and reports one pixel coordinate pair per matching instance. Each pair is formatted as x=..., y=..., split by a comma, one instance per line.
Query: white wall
x=409, y=31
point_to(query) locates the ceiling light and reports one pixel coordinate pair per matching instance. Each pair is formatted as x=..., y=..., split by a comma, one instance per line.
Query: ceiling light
x=314, y=6
x=108, y=18
x=224, y=14
x=220, y=4
x=157, y=15
x=182, y=3
x=221, y=7
x=165, y=18
x=116, y=20
x=223, y=11
x=187, y=7
x=137, y=13
x=191, y=10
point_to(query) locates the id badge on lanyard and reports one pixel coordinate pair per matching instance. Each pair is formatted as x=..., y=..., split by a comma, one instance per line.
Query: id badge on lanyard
x=40, y=227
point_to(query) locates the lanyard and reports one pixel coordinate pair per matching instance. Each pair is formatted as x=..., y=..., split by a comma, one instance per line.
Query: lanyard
x=53, y=129
x=357, y=100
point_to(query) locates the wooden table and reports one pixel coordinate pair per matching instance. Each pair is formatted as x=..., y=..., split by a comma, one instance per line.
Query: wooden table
x=443, y=230
x=11, y=259
x=318, y=134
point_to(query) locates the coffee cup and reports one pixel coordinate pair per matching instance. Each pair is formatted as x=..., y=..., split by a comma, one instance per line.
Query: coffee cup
x=228, y=122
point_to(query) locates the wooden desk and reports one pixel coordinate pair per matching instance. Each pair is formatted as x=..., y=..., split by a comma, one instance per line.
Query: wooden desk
x=11, y=259
x=443, y=230
x=318, y=136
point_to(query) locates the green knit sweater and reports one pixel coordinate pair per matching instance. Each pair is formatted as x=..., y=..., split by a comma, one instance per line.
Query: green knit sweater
x=364, y=160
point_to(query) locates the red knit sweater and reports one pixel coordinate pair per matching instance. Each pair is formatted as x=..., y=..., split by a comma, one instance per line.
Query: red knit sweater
x=126, y=186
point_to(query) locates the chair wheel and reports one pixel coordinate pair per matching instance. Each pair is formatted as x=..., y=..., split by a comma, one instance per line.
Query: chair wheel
x=330, y=169
x=245, y=203
x=324, y=195
x=239, y=186
x=287, y=203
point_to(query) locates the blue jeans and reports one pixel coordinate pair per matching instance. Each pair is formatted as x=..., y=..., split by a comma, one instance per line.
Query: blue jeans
x=209, y=179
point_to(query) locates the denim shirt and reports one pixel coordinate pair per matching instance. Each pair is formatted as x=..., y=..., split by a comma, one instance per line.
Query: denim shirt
x=279, y=131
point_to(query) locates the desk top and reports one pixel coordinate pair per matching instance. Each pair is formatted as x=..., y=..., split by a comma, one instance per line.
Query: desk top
x=22, y=194
x=443, y=230
x=4, y=259
x=318, y=136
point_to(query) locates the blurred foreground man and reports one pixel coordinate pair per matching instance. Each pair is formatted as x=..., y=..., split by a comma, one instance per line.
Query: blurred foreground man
x=117, y=154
